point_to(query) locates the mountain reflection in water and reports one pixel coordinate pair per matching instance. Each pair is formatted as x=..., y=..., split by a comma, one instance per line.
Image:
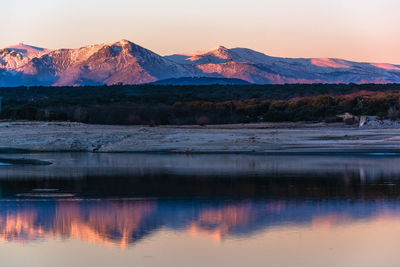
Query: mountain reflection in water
x=122, y=223
x=189, y=194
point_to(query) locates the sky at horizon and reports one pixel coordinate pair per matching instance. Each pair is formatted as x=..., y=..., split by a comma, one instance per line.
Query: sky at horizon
x=360, y=30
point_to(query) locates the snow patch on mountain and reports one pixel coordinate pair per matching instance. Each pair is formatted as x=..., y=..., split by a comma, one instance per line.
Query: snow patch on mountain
x=386, y=66
x=330, y=63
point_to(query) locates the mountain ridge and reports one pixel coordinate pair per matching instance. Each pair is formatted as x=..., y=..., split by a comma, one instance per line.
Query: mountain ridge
x=200, y=81
x=128, y=63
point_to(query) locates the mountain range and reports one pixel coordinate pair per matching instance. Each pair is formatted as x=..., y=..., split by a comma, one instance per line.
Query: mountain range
x=127, y=63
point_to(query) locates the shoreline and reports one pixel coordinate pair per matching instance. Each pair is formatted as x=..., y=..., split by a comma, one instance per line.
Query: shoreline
x=262, y=138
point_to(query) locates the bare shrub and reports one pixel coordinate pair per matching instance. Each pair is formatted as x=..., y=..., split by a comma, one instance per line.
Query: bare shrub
x=393, y=113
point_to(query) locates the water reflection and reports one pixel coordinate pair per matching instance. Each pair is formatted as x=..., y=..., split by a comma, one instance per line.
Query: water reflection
x=123, y=223
x=80, y=165
x=248, y=205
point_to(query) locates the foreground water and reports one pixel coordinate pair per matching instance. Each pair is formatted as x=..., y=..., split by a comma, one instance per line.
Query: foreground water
x=200, y=210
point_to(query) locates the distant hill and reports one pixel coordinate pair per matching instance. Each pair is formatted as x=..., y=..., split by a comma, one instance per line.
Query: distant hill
x=201, y=81
x=128, y=63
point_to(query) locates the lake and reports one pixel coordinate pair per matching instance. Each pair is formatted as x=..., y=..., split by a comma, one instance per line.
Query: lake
x=90, y=209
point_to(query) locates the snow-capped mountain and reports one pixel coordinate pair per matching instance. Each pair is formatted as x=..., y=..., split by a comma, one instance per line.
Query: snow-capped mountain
x=119, y=62
x=256, y=67
x=128, y=63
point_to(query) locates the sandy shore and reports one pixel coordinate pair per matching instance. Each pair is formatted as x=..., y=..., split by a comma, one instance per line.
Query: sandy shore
x=243, y=138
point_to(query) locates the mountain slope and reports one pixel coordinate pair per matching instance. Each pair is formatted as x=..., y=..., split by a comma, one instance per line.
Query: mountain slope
x=119, y=62
x=257, y=67
x=128, y=63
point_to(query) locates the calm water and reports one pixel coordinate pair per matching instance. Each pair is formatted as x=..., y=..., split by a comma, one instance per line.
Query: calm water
x=200, y=210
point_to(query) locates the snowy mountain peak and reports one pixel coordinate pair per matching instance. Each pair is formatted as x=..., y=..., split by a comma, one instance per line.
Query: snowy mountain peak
x=220, y=48
x=219, y=54
x=124, y=42
x=15, y=56
x=28, y=50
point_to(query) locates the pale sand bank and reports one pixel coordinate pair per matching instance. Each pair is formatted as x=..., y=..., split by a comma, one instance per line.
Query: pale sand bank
x=243, y=138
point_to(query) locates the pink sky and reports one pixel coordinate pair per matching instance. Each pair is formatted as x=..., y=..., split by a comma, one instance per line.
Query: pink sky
x=362, y=30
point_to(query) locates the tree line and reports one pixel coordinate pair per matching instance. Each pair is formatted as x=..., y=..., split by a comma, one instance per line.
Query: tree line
x=210, y=104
